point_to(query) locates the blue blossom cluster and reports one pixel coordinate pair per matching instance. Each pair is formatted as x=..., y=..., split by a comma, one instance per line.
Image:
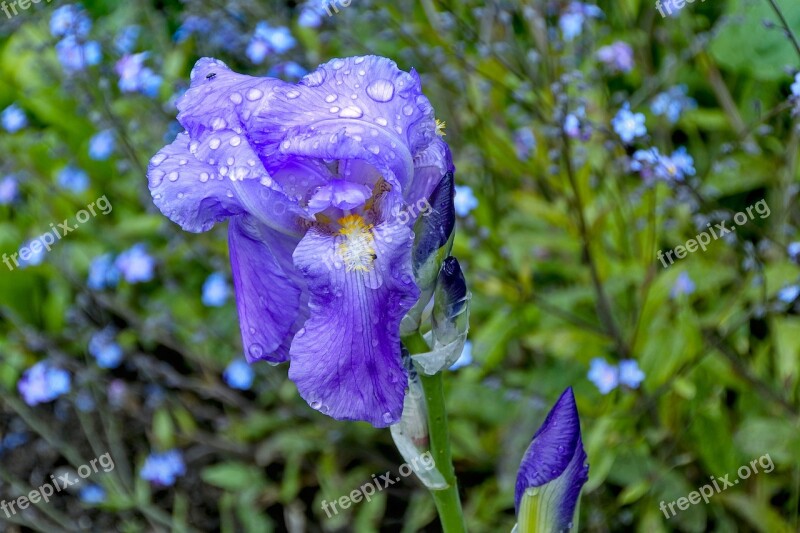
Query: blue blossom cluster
x=163, y=469
x=134, y=265
x=13, y=118
x=608, y=377
x=105, y=349
x=71, y=24
x=135, y=77
x=43, y=383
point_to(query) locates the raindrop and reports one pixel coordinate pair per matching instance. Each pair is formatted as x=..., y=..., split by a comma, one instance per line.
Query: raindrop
x=382, y=121
x=359, y=60
x=236, y=141
x=230, y=161
x=381, y=90
x=330, y=98
x=292, y=94
x=375, y=149
x=173, y=176
x=252, y=330
x=408, y=110
x=214, y=143
x=229, y=194
x=337, y=64
x=180, y=195
x=254, y=94
x=316, y=78
x=218, y=124
x=193, y=147
x=351, y=112
x=256, y=350
x=316, y=404
x=387, y=417
x=204, y=177
x=334, y=109
x=158, y=159
x=156, y=177
x=236, y=98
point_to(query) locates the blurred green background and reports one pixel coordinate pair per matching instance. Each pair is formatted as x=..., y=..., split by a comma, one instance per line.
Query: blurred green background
x=560, y=255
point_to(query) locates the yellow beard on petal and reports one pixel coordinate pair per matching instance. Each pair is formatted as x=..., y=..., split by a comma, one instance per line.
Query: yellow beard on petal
x=356, y=249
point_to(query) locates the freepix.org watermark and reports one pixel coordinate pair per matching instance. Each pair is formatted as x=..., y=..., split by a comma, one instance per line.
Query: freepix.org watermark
x=60, y=483
x=367, y=490
x=46, y=240
x=704, y=239
x=670, y=4
x=11, y=7
x=707, y=491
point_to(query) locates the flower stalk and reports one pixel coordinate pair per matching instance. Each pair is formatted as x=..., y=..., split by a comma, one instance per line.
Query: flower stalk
x=448, y=502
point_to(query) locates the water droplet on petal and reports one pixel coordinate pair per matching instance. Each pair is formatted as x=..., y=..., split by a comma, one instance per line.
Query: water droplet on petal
x=236, y=98
x=193, y=146
x=254, y=94
x=316, y=404
x=334, y=109
x=204, y=177
x=408, y=110
x=214, y=143
x=359, y=60
x=158, y=159
x=375, y=149
x=316, y=78
x=387, y=417
x=381, y=90
x=173, y=176
x=337, y=64
x=252, y=330
x=330, y=98
x=218, y=124
x=382, y=121
x=292, y=94
x=256, y=350
x=236, y=141
x=351, y=112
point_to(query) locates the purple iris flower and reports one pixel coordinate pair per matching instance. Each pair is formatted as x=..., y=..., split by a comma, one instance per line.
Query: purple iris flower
x=552, y=472
x=310, y=176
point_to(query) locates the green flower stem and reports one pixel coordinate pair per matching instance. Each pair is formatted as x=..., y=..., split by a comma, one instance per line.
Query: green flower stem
x=448, y=503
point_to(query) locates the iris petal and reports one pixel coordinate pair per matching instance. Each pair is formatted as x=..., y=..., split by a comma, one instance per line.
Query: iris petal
x=266, y=297
x=346, y=360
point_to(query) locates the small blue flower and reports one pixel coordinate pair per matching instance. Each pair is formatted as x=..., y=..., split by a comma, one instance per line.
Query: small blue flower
x=576, y=126
x=672, y=103
x=92, y=494
x=43, y=383
x=618, y=56
x=216, y=290
x=628, y=125
x=572, y=19
x=104, y=348
x=103, y=273
x=162, y=469
x=310, y=17
x=465, y=200
x=13, y=118
x=75, y=56
x=604, y=376
x=126, y=40
x=789, y=294
x=796, y=85
x=793, y=249
x=524, y=143
x=267, y=39
x=239, y=375
x=101, y=145
x=289, y=69
x=70, y=20
x=136, y=265
x=35, y=254
x=675, y=167
x=683, y=285
x=135, y=77
x=9, y=189
x=465, y=359
x=629, y=373
x=73, y=179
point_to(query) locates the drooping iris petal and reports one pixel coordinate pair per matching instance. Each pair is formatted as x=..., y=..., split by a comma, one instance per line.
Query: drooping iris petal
x=552, y=472
x=346, y=360
x=266, y=298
